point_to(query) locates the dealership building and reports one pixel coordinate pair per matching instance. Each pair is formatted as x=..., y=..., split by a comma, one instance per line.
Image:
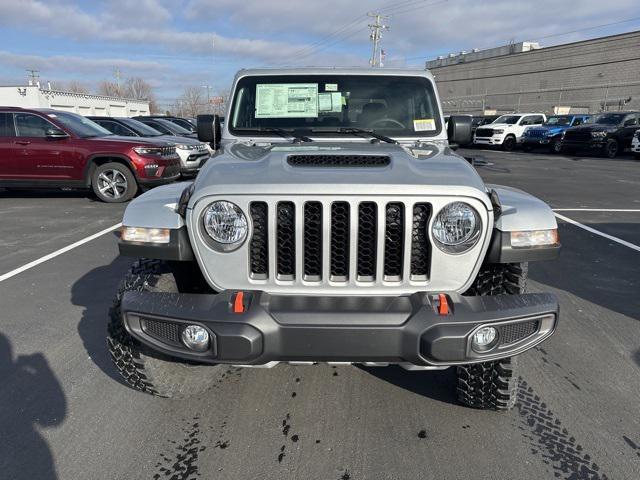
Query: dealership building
x=601, y=74
x=34, y=96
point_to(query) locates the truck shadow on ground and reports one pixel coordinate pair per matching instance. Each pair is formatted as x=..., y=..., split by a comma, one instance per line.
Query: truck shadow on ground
x=95, y=291
x=31, y=396
x=437, y=385
x=594, y=269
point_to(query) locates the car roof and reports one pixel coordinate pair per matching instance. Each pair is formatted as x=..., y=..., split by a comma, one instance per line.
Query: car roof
x=336, y=71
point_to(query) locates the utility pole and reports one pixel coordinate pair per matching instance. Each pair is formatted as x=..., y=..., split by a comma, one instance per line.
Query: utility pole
x=376, y=36
x=34, y=77
x=116, y=74
x=208, y=87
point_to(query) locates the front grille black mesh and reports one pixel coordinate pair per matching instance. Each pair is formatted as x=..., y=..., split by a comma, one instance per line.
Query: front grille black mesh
x=340, y=241
x=338, y=160
x=259, y=251
x=394, y=240
x=313, y=240
x=514, y=332
x=367, y=240
x=286, y=241
x=167, y=332
x=484, y=132
x=420, y=248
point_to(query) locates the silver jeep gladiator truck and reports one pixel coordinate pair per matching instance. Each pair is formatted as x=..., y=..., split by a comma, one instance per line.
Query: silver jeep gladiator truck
x=334, y=224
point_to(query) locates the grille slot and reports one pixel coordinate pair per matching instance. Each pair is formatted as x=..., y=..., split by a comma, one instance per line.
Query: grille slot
x=286, y=240
x=259, y=248
x=361, y=161
x=420, y=248
x=167, y=332
x=313, y=241
x=367, y=241
x=515, y=332
x=394, y=241
x=340, y=241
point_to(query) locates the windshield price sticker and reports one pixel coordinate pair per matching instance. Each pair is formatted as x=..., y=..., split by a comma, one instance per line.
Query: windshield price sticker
x=424, y=125
x=330, y=102
x=287, y=100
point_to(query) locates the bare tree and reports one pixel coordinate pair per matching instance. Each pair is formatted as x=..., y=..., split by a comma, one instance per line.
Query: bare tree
x=110, y=89
x=140, y=89
x=192, y=102
x=77, y=87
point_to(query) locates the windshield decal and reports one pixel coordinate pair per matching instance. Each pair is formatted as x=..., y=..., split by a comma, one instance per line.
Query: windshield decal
x=330, y=87
x=330, y=102
x=424, y=125
x=287, y=100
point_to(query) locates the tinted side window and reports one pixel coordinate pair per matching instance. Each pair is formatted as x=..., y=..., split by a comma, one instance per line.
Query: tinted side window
x=630, y=120
x=29, y=125
x=6, y=125
x=157, y=126
x=577, y=121
x=116, y=128
x=527, y=121
x=537, y=120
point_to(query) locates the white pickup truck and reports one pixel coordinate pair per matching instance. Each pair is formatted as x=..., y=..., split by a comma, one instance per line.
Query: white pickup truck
x=506, y=131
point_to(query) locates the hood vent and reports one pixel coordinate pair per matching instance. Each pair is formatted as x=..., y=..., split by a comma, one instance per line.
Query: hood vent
x=339, y=161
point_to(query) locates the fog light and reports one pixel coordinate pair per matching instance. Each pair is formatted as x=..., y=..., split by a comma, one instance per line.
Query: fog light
x=484, y=339
x=196, y=338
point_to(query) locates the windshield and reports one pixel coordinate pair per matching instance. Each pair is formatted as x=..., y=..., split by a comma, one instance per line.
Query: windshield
x=558, y=121
x=328, y=104
x=508, y=119
x=140, y=128
x=172, y=127
x=79, y=125
x=609, y=119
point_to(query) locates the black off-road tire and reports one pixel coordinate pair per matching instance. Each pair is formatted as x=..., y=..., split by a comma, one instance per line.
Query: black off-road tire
x=555, y=146
x=611, y=148
x=146, y=370
x=509, y=143
x=493, y=385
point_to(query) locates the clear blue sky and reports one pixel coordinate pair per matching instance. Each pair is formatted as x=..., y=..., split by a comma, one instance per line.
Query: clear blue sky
x=180, y=43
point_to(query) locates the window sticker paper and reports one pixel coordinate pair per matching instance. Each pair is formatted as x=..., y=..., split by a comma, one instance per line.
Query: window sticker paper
x=287, y=100
x=330, y=87
x=424, y=125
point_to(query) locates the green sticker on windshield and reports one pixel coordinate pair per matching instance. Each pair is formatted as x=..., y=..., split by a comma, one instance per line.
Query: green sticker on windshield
x=287, y=100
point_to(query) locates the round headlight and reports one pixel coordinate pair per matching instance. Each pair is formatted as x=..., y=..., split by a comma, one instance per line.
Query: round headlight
x=225, y=223
x=456, y=228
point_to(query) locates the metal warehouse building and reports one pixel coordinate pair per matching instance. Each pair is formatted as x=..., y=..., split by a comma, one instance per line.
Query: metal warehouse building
x=601, y=74
x=33, y=96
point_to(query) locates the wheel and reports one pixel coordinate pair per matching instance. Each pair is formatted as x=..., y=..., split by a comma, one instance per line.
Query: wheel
x=611, y=148
x=146, y=370
x=509, y=144
x=493, y=385
x=555, y=146
x=114, y=183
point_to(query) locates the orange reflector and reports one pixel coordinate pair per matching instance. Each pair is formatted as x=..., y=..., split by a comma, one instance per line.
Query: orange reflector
x=238, y=306
x=443, y=307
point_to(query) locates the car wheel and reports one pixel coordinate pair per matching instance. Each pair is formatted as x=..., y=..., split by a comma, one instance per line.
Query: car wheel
x=509, y=144
x=611, y=148
x=114, y=183
x=556, y=146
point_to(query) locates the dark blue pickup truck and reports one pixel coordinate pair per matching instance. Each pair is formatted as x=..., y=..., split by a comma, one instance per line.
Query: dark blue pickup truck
x=549, y=134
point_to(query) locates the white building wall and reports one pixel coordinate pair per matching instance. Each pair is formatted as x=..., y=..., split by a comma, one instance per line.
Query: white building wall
x=32, y=96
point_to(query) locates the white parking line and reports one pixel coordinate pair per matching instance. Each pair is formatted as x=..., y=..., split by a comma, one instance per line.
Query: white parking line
x=598, y=232
x=40, y=260
x=627, y=210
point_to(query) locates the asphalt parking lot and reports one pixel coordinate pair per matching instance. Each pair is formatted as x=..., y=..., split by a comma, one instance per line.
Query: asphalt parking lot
x=65, y=414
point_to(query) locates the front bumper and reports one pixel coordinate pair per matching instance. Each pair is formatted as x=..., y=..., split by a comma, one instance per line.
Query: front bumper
x=584, y=145
x=192, y=161
x=534, y=141
x=495, y=140
x=279, y=328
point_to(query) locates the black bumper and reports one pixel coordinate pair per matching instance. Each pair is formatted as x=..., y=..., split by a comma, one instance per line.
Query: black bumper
x=406, y=329
x=590, y=145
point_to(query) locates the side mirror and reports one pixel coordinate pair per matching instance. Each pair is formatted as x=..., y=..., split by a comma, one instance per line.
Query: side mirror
x=54, y=132
x=209, y=130
x=459, y=131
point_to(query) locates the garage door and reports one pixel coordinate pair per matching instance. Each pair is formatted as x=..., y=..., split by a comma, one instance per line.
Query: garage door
x=117, y=111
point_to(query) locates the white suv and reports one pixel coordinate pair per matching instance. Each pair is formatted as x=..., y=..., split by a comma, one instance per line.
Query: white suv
x=635, y=144
x=507, y=130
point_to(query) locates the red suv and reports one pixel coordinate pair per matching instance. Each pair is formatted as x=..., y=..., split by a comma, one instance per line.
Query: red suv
x=51, y=148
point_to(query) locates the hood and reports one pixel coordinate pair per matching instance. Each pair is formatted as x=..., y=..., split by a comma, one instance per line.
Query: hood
x=593, y=127
x=132, y=141
x=548, y=129
x=179, y=140
x=497, y=125
x=431, y=168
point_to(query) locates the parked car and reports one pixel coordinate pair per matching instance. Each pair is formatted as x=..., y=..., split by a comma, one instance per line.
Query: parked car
x=607, y=134
x=549, y=135
x=182, y=122
x=334, y=226
x=635, y=144
x=166, y=127
x=193, y=153
x=50, y=148
x=507, y=130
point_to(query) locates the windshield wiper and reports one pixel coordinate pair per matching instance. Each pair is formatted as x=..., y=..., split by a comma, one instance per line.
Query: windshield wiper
x=358, y=131
x=284, y=133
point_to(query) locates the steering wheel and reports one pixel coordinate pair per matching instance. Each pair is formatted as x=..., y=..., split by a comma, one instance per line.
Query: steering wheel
x=387, y=120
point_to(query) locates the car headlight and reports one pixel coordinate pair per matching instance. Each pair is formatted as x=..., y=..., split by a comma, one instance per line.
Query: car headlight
x=148, y=150
x=456, y=228
x=598, y=134
x=498, y=132
x=226, y=224
x=186, y=147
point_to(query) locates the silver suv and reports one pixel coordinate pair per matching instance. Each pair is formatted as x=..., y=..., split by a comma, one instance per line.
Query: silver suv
x=336, y=224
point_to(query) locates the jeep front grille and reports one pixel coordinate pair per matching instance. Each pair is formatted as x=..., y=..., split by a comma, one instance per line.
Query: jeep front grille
x=341, y=241
x=484, y=132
